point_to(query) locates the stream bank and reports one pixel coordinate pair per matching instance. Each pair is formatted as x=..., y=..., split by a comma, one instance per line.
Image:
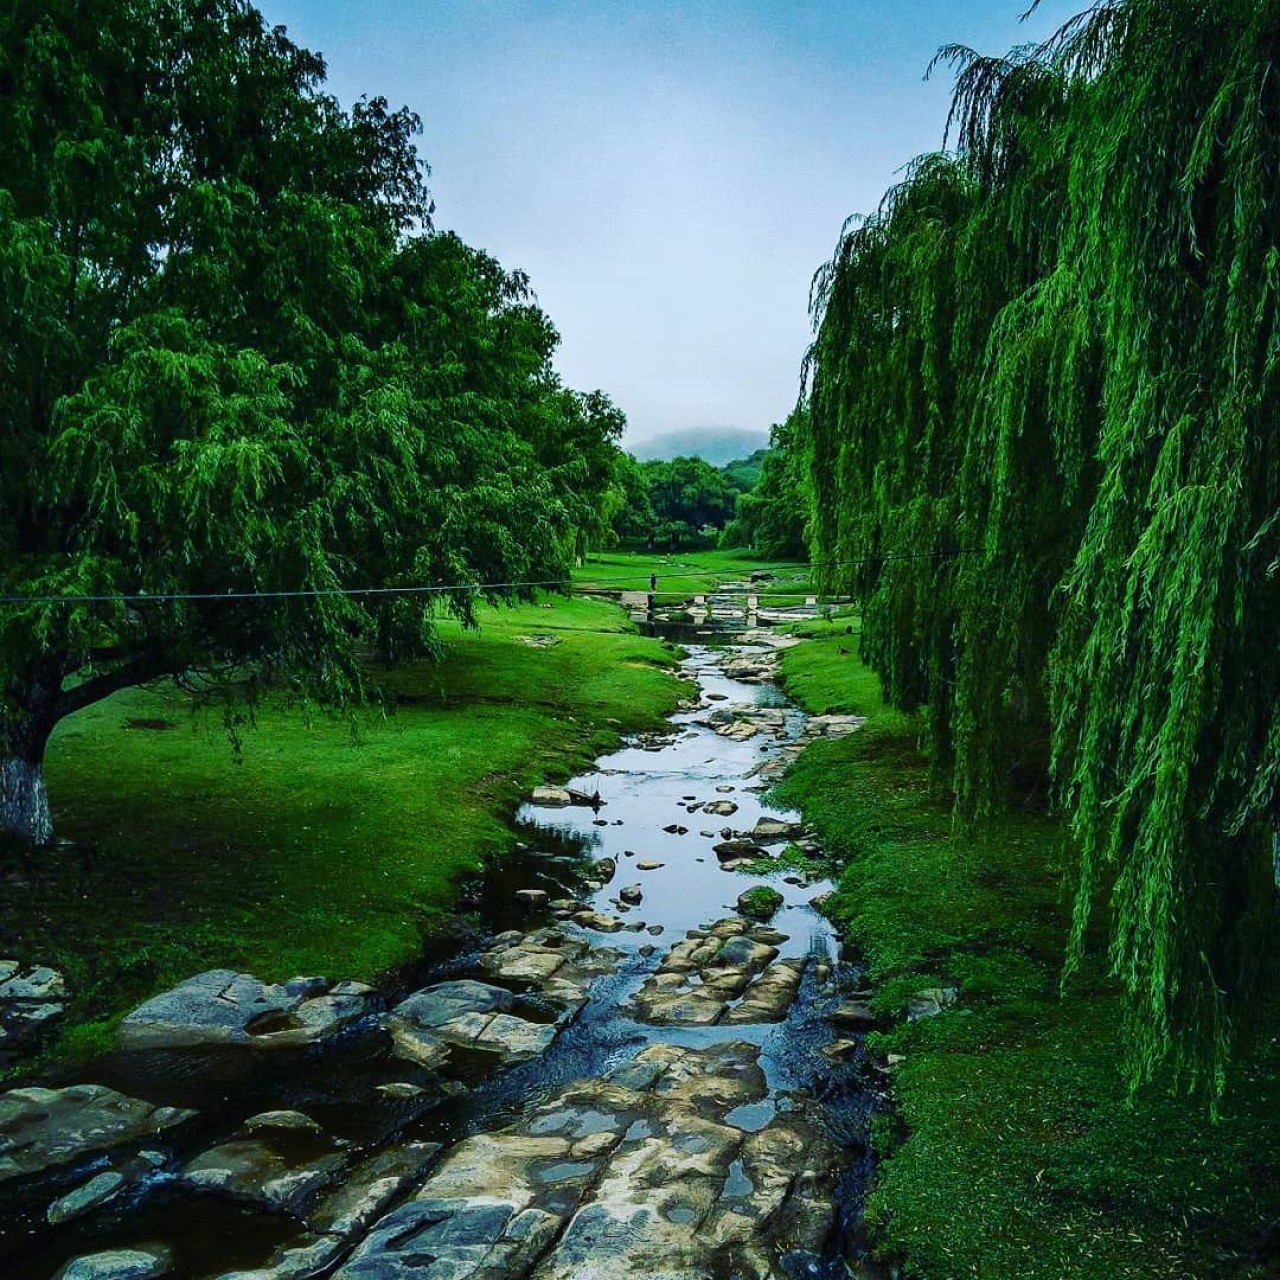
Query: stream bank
x=638, y=1077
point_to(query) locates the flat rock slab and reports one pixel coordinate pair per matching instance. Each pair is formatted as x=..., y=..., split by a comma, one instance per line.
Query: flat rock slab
x=553, y=962
x=635, y=1174
x=728, y=974
x=468, y=1015
x=222, y=1007
x=833, y=726
x=119, y=1264
x=351, y=1208
x=44, y=1129
x=433, y=1006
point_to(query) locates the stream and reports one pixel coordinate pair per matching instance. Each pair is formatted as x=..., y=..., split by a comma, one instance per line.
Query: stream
x=671, y=1092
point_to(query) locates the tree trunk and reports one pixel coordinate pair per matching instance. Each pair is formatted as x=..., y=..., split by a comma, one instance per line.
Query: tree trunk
x=24, y=800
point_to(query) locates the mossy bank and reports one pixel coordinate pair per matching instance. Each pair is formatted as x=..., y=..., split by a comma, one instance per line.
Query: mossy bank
x=322, y=845
x=1014, y=1150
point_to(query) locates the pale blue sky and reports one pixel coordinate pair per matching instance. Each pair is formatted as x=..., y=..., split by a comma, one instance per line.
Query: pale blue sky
x=670, y=175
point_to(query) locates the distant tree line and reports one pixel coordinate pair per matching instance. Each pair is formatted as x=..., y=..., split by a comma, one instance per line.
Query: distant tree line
x=759, y=502
x=1044, y=432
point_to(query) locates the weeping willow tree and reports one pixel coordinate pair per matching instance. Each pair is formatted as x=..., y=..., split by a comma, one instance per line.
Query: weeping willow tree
x=1046, y=441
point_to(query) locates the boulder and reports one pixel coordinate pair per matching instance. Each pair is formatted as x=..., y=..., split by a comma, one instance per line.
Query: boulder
x=39, y=983
x=728, y=850
x=852, y=1013
x=759, y=902
x=632, y=895
x=930, y=1002
x=721, y=808
x=433, y=1006
x=533, y=899
x=776, y=830
x=473, y=1015
x=833, y=726
x=600, y=923
x=770, y=997
x=282, y=1122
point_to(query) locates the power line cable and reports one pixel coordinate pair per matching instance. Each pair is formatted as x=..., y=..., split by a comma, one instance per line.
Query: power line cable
x=306, y=593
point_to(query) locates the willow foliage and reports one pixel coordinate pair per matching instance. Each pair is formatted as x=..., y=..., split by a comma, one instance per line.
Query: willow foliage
x=1044, y=425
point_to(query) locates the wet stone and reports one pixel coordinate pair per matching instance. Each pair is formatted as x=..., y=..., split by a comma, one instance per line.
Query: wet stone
x=225, y=1008
x=32, y=999
x=82, y=1200
x=141, y=1263
x=360, y=1200
x=47, y=1128
x=276, y=1169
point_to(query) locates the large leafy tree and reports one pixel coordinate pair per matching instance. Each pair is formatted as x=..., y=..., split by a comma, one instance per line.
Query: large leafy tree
x=1045, y=424
x=236, y=360
x=688, y=493
x=772, y=515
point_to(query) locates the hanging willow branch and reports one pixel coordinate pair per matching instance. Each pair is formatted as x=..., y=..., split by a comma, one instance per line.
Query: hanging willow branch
x=1059, y=346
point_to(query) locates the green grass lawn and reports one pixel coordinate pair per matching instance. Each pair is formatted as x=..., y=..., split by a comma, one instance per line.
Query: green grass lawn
x=316, y=849
x=1015, y=1151
x=689, y=572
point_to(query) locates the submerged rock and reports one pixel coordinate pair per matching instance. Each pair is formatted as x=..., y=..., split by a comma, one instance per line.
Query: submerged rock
x=636, y=1174
x=272, y=1169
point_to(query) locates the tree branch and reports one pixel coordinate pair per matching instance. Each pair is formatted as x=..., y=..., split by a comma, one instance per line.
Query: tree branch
x=106, y=683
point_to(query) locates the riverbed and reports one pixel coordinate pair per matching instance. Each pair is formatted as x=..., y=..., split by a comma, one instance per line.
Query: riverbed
x=786, y=1085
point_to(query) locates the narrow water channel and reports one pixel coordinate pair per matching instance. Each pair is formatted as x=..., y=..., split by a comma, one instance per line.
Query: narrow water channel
x=652, y=796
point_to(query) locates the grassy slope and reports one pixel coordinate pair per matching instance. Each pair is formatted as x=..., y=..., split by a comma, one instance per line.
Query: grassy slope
x=321, y=851
x=686, y=572
x=1021, y=1156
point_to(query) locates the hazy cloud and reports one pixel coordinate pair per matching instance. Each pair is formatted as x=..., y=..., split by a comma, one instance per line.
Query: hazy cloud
x=670, y=175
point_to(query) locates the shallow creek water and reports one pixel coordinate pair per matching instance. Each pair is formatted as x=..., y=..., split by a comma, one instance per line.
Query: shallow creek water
x=642, y=788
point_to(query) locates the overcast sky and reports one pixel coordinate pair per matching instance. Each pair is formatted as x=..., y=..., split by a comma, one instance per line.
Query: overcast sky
x=669, y=174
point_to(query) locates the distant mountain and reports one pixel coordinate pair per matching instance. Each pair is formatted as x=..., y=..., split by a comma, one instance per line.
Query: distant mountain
x=716, y=445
